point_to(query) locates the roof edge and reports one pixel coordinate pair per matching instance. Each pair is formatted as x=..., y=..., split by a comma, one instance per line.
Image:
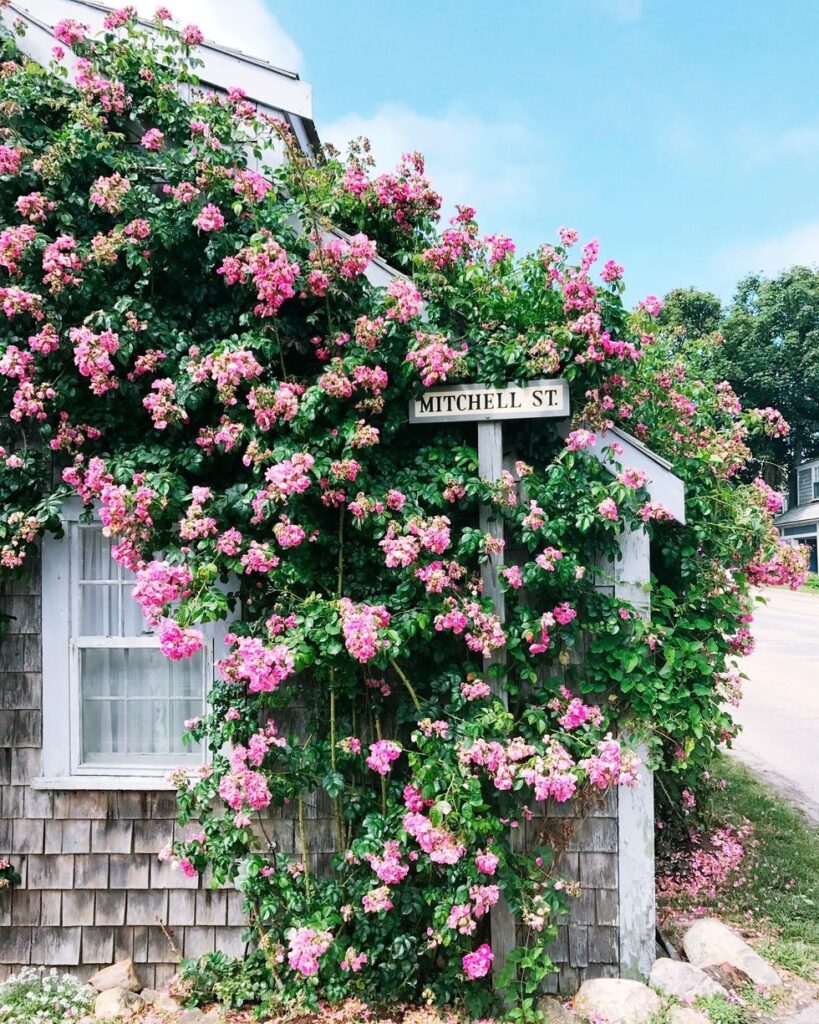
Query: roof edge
x=210, y=44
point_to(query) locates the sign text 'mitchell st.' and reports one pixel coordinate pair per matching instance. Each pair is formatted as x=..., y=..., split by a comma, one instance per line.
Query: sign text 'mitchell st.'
x=476, y=402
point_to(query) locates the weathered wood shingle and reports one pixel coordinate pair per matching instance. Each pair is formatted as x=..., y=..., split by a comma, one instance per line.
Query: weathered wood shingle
x=94, y=891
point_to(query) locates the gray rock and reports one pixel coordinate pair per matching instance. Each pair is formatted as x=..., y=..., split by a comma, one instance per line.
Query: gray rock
x=192, y=1016
x=685, y=1015
x=159, y=1000
x=809, y=1015
x=709, y=942
x=685, y=981
x=617, y=1001
x=117, y=1004
x=118, y=975
x=554, y=1011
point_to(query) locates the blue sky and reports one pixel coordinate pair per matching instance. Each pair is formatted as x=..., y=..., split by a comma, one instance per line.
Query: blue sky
x=684, y=134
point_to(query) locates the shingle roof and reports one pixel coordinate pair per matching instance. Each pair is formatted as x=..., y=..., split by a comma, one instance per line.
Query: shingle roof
x=280, y=91
x=802, y=515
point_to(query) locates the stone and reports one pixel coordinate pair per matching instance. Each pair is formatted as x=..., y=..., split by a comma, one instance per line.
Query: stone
x=685, y=981
x=617, y=1001
x=117, y=1004
x=118, y=975
x=728, y=976
x=191, y=1016
x=685, y=1015
x=554, y=1011
x=709, y=942
x=809, y=1015
x=158, y=999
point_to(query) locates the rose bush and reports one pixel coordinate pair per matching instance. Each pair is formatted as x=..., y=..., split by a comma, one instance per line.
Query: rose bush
x=190, y=346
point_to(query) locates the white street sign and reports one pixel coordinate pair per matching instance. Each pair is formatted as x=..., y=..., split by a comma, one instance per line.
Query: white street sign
x=481, y=402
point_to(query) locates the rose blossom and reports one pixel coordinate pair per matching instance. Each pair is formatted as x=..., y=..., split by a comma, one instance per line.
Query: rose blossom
x=477, y=964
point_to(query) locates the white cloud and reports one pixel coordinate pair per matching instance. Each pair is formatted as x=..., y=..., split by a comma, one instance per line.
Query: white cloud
x=245, y=25
x=772, y=255
x=623, y=10
x=759, y=148
x=499, y=167
x=681, y=142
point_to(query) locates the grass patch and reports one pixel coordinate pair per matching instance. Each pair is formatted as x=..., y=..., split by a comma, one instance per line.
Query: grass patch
x=799, y=958
x=744, y=1009
x=721, y=1011
x=777, y=894
x=811, y=584
x=783, y=882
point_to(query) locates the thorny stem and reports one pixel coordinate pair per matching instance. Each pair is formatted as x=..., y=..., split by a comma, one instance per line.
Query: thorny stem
x=316, y=232
x=383, y=778
x=271, y=846
x=169, y=937
x=401, y=675
x=340, y=551
x=336, y=800
x=264, y=945
x=339, y=587
x=303, y=844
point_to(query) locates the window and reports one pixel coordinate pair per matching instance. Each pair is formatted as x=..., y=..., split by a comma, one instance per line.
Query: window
x=804, y=478
x=807, y=483
x=114, y=706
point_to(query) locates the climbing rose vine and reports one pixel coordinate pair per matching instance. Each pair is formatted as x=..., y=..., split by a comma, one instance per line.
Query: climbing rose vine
x=195, y=340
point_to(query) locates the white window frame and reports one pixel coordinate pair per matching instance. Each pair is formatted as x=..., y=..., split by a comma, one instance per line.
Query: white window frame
x=61, y=764
x=811, y=469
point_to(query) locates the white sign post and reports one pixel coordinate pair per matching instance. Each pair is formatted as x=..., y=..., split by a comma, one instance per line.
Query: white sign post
x=488, y=406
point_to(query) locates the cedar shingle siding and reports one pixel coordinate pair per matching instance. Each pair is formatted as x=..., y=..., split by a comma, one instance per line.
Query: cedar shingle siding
x=93, y=890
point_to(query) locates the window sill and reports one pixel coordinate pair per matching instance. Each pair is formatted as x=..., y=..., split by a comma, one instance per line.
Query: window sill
x=137, y=783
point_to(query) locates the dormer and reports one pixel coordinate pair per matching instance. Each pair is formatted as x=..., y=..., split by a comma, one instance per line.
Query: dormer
x=807, y=480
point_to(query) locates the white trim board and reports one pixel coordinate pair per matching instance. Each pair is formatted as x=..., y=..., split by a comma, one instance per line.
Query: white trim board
x=662, y=483
x=223, y=67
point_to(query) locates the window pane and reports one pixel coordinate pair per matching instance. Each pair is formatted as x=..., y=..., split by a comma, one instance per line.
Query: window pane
x=134, y=705
x=183, y=711
x=99, y=609
x=103, y=726
x=156, y=727
x=151, y=674
x=95, y=555
x=103, y=673
x=133, y=624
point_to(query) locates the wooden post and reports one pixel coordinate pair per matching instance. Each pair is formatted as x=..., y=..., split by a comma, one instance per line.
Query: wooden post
x=490, y=464
x=488, y=406
x=635, y=807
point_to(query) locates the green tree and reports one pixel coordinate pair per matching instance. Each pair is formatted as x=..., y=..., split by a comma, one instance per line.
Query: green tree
x=691, y=324
x=771, y=357
x=691, y=311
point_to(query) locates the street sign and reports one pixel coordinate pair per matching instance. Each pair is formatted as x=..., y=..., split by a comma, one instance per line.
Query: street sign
x=482, y=402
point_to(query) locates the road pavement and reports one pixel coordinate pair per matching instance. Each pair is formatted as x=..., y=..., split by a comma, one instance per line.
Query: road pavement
x=780, y=709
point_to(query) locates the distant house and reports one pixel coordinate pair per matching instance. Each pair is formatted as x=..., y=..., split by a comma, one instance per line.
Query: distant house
x=800, y=524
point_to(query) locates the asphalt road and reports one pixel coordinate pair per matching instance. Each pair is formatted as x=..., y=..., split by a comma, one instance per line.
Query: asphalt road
x=780, y=709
